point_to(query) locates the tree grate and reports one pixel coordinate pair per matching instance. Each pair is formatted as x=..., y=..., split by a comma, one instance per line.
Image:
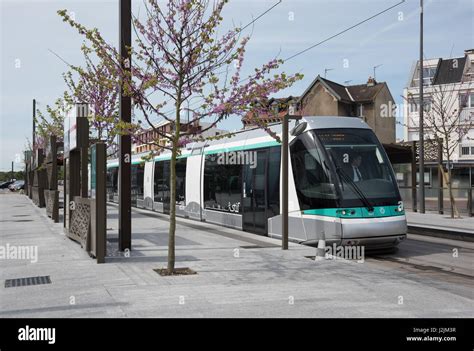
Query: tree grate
x=12, y=283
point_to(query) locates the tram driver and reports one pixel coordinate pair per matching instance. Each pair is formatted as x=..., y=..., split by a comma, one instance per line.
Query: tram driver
x=357, y=175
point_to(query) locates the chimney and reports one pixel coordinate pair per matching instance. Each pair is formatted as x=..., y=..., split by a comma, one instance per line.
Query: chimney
x=371, y=82
x=292, y=106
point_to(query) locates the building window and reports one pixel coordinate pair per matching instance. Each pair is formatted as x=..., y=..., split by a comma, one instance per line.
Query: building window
x=428, y=75
x=464, y=150
x=427, y=105
x=466, y=100
x=412, y=107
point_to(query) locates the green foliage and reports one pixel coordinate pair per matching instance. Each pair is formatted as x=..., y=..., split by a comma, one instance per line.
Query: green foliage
x=19, y=175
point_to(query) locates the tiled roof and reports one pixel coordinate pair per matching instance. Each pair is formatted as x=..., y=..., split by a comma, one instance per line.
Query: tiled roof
x=338, y=89
x=363, y=92
x=350, y=93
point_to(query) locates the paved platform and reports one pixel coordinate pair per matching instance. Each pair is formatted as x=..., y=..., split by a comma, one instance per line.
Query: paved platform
x=239, y=275
x=435, y=224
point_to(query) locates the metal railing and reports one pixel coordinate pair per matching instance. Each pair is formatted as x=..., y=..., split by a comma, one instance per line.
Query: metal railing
x=437, y=199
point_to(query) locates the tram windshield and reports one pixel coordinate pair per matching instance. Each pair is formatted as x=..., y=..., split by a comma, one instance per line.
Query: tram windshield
x=314, y=182
x=361, y=165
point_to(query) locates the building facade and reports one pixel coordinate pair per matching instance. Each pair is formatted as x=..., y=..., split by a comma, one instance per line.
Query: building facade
x=448, y=83
x=153, y=138
x=371, y=101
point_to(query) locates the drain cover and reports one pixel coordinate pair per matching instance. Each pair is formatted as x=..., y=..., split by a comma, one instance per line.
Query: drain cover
x=11, y=283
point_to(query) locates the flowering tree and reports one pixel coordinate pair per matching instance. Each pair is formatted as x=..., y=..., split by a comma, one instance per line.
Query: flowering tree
x=98, y=86
x=51, y=125
x=179, y=56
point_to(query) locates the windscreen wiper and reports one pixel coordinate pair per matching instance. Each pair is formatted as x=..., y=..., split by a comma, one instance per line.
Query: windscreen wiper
x=357, y=190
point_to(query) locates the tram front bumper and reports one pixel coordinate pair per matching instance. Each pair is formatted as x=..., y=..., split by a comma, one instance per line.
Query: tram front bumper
x=381, y=232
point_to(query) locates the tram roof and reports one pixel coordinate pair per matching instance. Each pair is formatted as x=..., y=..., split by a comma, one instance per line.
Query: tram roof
x=257, y=137
x=326, y=122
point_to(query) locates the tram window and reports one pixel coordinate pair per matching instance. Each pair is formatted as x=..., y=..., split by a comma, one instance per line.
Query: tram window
x=162, y=181
x=137, y=180
x=222, y=186
x=274, y=181
x=166, y=181
x=140, y=179
x=180, y=181
x=358, y=154
x=158, y=182
x=314, y=186
x=112, y=181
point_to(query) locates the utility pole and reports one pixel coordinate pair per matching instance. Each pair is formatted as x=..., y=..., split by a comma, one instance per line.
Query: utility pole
x=33, y=142
x=13, y=172
x=125, y=143
x=421, y=121
x=284, y=165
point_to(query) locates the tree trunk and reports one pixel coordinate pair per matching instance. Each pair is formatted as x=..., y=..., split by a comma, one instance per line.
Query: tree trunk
x=447, y=179
x=172, y=229
x=450, y=190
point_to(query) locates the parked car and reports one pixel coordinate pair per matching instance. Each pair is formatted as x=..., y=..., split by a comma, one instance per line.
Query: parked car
x=5, y=185
x=19, y=184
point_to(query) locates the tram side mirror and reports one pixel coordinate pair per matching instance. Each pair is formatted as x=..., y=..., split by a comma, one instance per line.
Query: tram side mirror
x=299, y=128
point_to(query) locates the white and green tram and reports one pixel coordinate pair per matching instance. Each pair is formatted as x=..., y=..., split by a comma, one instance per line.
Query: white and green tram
x=341, y=184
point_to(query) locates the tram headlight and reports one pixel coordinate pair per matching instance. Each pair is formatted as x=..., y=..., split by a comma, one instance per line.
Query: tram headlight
x=347, y=212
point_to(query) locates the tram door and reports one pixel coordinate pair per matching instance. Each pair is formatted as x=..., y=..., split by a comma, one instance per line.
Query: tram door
x=254, y=193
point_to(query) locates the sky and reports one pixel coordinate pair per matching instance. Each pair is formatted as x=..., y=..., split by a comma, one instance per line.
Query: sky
x=30, y=29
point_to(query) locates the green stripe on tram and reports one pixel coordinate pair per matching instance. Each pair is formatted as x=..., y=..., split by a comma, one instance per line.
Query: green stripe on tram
x=357, y=212
x=243, y=147
x=271, y=143
x=138, y=161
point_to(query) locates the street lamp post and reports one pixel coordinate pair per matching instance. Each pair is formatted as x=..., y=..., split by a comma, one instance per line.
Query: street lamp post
x=33, y=142
x=125, y=143
x=284, y=165
x=421, y=121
